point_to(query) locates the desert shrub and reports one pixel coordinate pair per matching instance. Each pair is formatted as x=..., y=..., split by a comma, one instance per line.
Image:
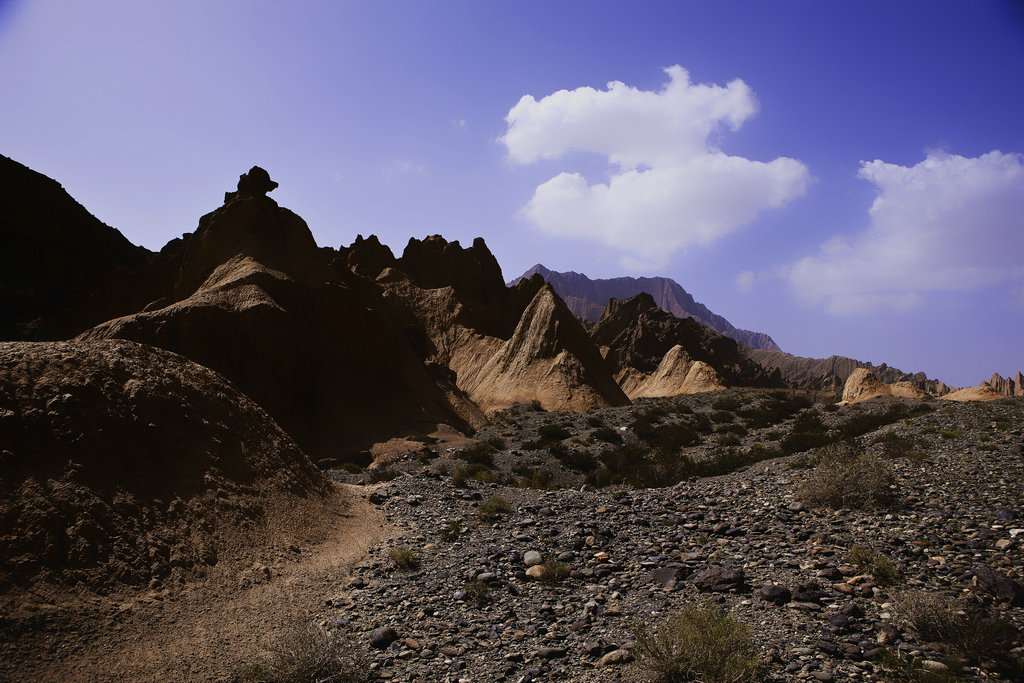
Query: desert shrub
x=474, y=471
x=553, y=572
x=808, y=432
x=496, y=442
x=865, y=422
x=697, y=644
x=881, y=568
x=938, y=618
x=728, y=439
x=306, y=652
x=594, y=421
x=912, y=670
x=773, y=409
x=493, y=507
x=535, y=406
x=530, y=478
x=481, y=453
x=580, y=460
x=553, y=432
x=844, y=478
x=351, y=467
x=478, y=592
x=732, y=428
x=404, y=558
x=722, y=417
x=670, y=437
x=641, y=468
x=607, y=434
x=895, y=445
x=376, y=475
x=947, y=434
x=729, y=403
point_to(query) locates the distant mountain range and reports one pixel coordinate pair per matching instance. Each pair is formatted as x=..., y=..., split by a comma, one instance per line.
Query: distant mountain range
x=588, y=298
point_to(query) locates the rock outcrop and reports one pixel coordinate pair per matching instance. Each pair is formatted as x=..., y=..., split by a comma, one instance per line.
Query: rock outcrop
x=587, y=299
x=256, y=300
x=862, y=385
x=980, y=393
x=1007, y=386
x=501, y=344
x=636, y=336
x=831, y=374
x=125, y=463
x=677, y=374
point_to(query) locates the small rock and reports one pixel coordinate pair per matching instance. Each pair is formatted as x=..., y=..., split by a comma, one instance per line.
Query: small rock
x=381, y=637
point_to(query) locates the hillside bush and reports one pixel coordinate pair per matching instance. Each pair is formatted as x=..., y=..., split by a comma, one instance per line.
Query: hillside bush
x=845, y=478
x=698, y=644
x=306, y=652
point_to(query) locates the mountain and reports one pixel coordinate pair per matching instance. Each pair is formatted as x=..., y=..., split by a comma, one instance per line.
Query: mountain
x=587, y=299
x=257, y=300
x=636, y=336
x=831, y=374
x=63, y=270
x=1007, y=386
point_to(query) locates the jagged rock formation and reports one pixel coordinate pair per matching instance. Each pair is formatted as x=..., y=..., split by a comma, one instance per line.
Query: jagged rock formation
x=636, y=336
x=587, y=299
x=126, y=463
x=979, y=393
x=862, y=385
x=677, y=374
x=503, y=345
x=831, y=374
x=1007, y=386
x=61, y=269
x=256, y=300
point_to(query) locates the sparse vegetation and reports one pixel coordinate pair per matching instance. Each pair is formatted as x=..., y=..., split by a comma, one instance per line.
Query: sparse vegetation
x=846, y=478
x=404, y=558
x=697, y=644
x=481, y=453
x=474, y=471
x=492, y=508
x=773, y=409
x=607, y=434
x=553, y=572
x=478, y=592
x=306, y=652
x=951, y=621
x=376, y=475
x=881, y=568
x=897, y=446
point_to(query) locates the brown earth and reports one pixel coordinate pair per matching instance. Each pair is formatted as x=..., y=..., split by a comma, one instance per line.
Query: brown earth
x=982, y=393
x=150, y=512
x=862, y=385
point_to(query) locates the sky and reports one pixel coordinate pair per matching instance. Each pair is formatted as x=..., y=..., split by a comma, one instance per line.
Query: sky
x=845, y=176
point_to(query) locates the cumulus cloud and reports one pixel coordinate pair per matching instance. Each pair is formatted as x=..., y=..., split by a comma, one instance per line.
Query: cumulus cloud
x=745, y=281
x=948, y=223
x=669, y=187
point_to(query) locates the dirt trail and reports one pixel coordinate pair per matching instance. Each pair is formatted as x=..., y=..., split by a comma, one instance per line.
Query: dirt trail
x=199, y=632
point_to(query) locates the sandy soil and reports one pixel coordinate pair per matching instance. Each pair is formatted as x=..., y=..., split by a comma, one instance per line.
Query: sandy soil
x=199, y=630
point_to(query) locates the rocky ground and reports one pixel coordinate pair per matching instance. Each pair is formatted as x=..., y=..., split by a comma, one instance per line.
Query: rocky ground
x=473, y=604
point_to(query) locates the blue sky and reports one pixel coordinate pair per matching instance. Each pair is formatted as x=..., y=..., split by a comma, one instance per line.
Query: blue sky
x=845, y=176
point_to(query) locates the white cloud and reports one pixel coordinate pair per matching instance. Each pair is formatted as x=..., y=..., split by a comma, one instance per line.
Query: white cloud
x=669, y=187
x=948, y=223
x=745, y=281
x=405, y=167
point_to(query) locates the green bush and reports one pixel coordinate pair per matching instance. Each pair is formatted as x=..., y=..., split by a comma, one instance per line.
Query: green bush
x=553, y=432
x=843, y=478
x=881, y=568
x=594, y=421
x=607, y=434
x=493, y=507
x=530, y=478
x=481, y=453
x=553, y=572
x=697, y=644
x=404, y=558
x=305, y=652
x=474, y=471
x=773, y=409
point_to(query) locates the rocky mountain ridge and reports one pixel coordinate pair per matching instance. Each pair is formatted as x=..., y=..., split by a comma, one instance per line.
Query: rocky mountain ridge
x=587, y=299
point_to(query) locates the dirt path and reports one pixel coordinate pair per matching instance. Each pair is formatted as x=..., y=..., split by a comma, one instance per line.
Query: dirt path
x=201, y=631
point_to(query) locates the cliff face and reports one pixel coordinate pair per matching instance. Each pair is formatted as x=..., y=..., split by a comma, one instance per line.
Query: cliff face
x=587, y=299
x=1007, y=386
